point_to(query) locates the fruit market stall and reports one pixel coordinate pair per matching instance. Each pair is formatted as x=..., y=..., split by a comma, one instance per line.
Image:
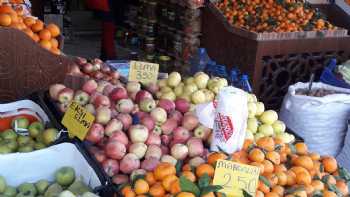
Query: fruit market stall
x=274, y=60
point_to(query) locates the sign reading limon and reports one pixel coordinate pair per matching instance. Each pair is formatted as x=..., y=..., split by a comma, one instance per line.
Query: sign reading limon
x=235, y=177
x=77, y=120
x=143, y=72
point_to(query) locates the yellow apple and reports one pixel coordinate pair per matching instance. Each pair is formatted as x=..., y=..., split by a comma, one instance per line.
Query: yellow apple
x=279, y=126
x=260, y=108
x=198, y=97
x=174, y=79
x=269, y=117
x=252, y=125
x=251, y=109
x=265, y=129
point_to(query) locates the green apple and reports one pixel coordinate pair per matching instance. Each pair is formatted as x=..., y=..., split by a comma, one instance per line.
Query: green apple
x=39, y=146
x=198, y=97
x=89, y=194
x=178, y=90
x=260, y=108
x=10, y=192
x=78, y=187
x=169, y=95
x=27, y=188
x=201, y=80
x=8, y=134
x=12, y=144
x=25, y=149
x=251, y=109
x=186, y=97
x=209, y=95
x=66, y=193
x=265, y=129
x=166, y=89
x=35, y=129
x=23, y=140
x=279, y=126
x=49, y=136
x=174, y=79
x=4, y=149
x=3, y=184
x=190, y=88
x=222, y=82
x=53, y=190
x=41, y=186
x=252, y=125
x=249, y=135
x=286, y=137
x=269, y=117
x=65, y=176
x=20, y=123
x=189, y=80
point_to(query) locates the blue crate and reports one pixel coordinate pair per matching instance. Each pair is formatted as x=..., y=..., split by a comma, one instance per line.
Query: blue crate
x=329, y=77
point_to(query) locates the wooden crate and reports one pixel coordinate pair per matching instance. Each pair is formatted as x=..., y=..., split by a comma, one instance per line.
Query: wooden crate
x=26, y=67
x=272, y=64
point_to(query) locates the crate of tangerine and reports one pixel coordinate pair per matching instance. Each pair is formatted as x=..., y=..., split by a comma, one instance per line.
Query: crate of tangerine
x=277, y=42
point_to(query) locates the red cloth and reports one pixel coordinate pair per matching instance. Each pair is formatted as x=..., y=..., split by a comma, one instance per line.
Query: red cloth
x=99, y=5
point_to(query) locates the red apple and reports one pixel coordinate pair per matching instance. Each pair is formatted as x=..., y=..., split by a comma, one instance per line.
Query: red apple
x=88, y=68
x=181, y=135
x=80, y=60
x=111, y=167
x=168, y=126
x=133, y=86
x=90, y=108
x=125, y=106
x=142, y=94
x=150, y=164
x=55, y=89
x=115, y=75
x=75, y=71
x=115, y=150
x=129, y=163
x=102, y=101
x=103, y=115
x=126, y=120
x=98, y=75
x=138, y=133
x=113, y=126
x=90, y=86
x=108, y=89
x=63, y=107
x=65, y=95
x=195, y=147
x=190, y=122
x=166, y=104
x=105, y=68
x=81, y=97
x=182, y=105
x=153, y=88
x=95, y=133
x=153, y=139
x=100, y=156
x=141, y=114
x=176, y=115
x=101, y=86
x=166, y=139
x=148, y=122
x=118, y=94
x=119, y=136
x=119, y=179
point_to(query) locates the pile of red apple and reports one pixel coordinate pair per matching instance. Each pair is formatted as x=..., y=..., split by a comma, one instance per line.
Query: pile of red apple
x=95, y=69
x=133, y=132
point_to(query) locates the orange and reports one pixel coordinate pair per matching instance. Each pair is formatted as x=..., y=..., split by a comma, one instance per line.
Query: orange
x=268, y=166
x=262, y=187
x=5, y=20
x=204, y=168
x=55, y=51
x=16, y=26
x=150, y=178
x=315, y=156
x=291, y=178
x=36, y=37
x=303, y=178
x=175, y=187
x=278, y=190
x=14, y=17
x=6, y=9
x=54, y=43
x=45, y=44
x=274, y=157
x=29, y=21
x=304, y=161
x=189, y=175
x=342, y=186
x=210, y=194
x=282, y=178
x=301, y=148
x=128, y=192
x=168, y=181
x=259, y=165
x=54, y=29
x=327, y=193
x=256, y=155
x=240, y=157
x=280, y=168
x=330, y=164
x=185, y=194
x=164, y=169
x=271, y=194
x=298, y=169
x=37, y=26
x=157, y=190
x=45, y=34
x=19, y=10
x=29, y=32
x=266, y=143
x=141, y=187
x=186, y=167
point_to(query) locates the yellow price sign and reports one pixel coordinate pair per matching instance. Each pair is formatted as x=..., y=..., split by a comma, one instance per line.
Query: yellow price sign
x=143, y=72
x=77, y=120
x=235, y=177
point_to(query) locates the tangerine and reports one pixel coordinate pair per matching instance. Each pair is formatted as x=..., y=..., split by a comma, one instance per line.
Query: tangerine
x=304, y=161
x=342, y=186
x=29, y=21
x=256, y=155
x=330, y=164
x=141, y=187
x=175, y=188
x=189, y=175
x=185, y=194
x=54, y=43
x=164, y=169
x=54, y=29
x=168, y=181
x=271, y=194
x=37, y=26
x=274, y=157
x=157, y=190
x=282, y=178
x=301, y=148
x=45, y=44
x=266, y=143
x=278, y=190
x=150, y=178
x=291, y=178
x=204, y=168
x=268, y=166
x=303, y=178
x=45, y=34
x=5, y=20
x=327, y=193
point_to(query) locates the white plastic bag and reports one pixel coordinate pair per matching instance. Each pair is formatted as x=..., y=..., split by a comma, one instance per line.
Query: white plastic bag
x=320, y=121
x=344, y=156
x=230, y=120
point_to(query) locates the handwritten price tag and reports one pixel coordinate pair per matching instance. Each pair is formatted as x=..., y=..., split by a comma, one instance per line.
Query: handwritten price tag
x=143, y=72
x=77, y=120
x=235, y=177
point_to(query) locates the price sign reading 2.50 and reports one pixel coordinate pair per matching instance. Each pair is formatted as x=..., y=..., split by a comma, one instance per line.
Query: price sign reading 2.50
x=236, y=177
x=143, y=72
x=77, y=120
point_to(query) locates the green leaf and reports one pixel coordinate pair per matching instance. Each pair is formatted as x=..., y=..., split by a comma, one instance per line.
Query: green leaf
x=325, y=179
x=278, y=147
x=265, y=181
x=343, y=173
x=317, y=194
x=204, y=181
x=187, y=186
x=294, y=189
x=210, y=188
x=335, y=189
x=321, y=168
x=178, y=167
x=250, y=148
x=246, y=194
x=223, y=194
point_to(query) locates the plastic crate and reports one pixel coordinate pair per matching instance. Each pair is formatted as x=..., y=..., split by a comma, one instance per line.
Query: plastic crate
x=330, y=78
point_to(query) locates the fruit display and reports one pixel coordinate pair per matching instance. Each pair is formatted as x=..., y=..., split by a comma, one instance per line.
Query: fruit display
x=273, y=16
x=65, y=184
x=132, y=131
x=197, y=89
x=95, y=69
x=263, y=123
x=45, y=35
x=26, y=137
